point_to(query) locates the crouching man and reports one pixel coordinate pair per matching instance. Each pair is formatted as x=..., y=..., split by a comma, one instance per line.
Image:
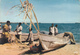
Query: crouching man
x=6, y=32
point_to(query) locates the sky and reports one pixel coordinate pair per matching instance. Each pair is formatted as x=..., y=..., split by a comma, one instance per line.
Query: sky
x=47, y=11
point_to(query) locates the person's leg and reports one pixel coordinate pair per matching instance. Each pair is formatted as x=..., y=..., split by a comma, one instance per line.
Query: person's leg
x=17, y=36
x=5, y=40
x=20, y=38
x=30, y=41
x=50, y=33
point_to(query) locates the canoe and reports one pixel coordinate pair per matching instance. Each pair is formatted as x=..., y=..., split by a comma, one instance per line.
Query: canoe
x=49, y=42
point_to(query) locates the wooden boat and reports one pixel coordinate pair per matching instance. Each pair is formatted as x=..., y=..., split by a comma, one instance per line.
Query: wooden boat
x=48, y=42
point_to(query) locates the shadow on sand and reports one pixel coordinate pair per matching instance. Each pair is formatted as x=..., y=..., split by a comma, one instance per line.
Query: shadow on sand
x=39, y=52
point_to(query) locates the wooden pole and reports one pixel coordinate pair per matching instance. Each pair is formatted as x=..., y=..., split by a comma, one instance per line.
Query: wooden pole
x=32, y=22
x=36, y=19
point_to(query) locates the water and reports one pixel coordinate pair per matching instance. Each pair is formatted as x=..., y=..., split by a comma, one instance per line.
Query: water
x=62, y=27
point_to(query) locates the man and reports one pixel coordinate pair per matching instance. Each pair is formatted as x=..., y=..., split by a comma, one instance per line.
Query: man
x=5, y=33
x=7, y=27
x=56, y=30
x=51, y=30
x=30, y=36
x=18, y=31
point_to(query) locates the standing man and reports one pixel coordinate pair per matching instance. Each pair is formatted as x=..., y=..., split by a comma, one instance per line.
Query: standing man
x=56, y=30
x=5, y=33
x=19, y=31
x=51, y=30
x=30, y=36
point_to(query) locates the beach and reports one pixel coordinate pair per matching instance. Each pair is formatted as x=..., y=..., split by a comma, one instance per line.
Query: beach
x=66, y=50
x=33, y=27
x=19, y=49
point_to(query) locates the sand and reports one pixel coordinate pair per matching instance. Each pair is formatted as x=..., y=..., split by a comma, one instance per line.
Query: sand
x=16, y=49
x=12, y=49
x=66, y=50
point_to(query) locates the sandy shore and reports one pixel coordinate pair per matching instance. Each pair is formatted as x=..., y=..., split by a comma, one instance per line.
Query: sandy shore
x=66, y=50
x=16, y=49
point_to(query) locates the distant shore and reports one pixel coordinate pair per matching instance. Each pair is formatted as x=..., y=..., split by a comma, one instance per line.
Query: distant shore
x=39, y=22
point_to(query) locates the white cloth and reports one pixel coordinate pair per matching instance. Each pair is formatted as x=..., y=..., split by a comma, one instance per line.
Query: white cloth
x=18, y=29
x=10, y=27
x=30, y=36
x=52, y=30
x=56, y=30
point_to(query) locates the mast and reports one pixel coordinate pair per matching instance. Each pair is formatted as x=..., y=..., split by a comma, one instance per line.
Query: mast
x=28, y=8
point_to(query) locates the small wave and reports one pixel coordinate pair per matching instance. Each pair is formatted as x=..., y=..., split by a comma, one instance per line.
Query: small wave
x=44, y=32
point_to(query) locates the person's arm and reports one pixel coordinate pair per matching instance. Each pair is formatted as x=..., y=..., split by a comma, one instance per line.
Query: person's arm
x=3, y=26
x=15, y=29
x=55, y=30
x=10, y=28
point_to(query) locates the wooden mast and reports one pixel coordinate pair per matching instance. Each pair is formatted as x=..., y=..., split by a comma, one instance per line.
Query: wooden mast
x=26, y=9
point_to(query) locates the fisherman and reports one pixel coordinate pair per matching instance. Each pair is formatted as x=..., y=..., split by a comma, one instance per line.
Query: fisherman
x=6, y=32
x=51, y=30
x=56, y=30
x=18, y=30
x=30, y=36
x=7, y=27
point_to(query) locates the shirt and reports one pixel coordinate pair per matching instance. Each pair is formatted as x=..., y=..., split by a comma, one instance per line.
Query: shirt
x=19, y=28
x=31, y=35
x=10, y=27
x=56, y=30
x=7, y=28
x=52, y=30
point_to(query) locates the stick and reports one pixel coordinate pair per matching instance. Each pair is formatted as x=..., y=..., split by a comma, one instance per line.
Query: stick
x=36, y=19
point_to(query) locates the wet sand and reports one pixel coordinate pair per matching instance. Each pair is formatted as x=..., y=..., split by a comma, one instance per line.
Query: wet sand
x=16, y=49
